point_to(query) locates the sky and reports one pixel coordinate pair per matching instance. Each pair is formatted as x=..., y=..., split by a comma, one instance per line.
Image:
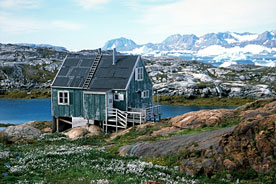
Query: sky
x=88, y=24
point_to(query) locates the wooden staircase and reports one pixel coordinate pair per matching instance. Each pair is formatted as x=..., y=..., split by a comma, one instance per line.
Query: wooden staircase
x=92, y=71
x=123, y=119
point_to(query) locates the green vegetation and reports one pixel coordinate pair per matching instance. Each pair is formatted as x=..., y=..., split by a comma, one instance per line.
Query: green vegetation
x=6, y=125
x=212, y=101
x=45, y=93
x=226, y=123
x=36, y=74
x=55, y=159
x=173, y=159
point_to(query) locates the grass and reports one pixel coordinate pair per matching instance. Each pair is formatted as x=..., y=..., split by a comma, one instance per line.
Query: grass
x=211, y=101
x=44, y=93
x=226, y=123
x=55, y=159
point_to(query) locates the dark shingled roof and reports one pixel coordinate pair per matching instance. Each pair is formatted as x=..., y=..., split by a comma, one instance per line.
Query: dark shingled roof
x=75, y=70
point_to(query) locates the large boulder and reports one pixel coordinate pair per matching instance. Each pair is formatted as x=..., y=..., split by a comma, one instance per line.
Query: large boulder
x=201, y=118
x=21, y=133
x=93, y=130
x=87, y=130
x=76, y=133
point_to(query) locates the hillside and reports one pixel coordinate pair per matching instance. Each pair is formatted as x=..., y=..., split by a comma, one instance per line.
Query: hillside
x=29, y=68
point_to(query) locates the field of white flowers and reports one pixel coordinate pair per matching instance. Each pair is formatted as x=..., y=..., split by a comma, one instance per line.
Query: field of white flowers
x=54, y=159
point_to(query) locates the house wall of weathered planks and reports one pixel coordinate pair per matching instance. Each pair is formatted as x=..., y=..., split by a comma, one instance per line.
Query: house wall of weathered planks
x=88, y=106
x=94, y=106
x=135, y=89
x=74, y=109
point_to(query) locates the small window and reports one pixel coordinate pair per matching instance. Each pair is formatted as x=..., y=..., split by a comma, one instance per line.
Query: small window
x=139, y=75
x=63, y=98
x=145, y=94
x=118, y=97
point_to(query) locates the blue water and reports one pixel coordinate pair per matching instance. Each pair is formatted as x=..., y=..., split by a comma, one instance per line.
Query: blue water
x=21, y=111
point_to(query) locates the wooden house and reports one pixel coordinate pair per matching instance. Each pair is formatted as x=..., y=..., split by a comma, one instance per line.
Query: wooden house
x=110, y=91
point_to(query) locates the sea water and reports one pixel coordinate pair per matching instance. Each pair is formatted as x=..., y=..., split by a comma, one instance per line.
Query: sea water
x=16, y=111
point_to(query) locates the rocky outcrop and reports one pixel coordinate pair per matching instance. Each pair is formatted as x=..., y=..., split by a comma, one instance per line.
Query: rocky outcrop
x=251, y=145
x=202, y=118
x=253, y=141
x=176, y=144
x=21, y=133
x=190, y=79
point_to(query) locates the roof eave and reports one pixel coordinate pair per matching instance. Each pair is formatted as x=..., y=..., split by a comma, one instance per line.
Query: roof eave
x=58, y=71
x=132, y=73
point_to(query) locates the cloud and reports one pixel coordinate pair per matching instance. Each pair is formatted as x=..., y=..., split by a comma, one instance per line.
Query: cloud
x=89, y=4
x=141, y=4
x=19, y=4
x=22, y=25
x=201, y=16
x=16, y=25
x=66, y=25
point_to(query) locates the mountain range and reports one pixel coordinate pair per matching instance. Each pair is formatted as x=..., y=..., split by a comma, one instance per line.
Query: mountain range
x=194, y=43
x=219, y=49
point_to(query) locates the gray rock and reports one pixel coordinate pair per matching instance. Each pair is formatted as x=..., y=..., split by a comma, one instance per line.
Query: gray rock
x=174, y=144
x=21, y=133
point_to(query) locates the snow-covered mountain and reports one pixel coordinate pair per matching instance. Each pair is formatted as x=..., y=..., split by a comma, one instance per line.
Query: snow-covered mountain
x=121, y=44
x=214, y=48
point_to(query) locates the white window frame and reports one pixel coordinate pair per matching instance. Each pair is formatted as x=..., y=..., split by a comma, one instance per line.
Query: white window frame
x=118, y=97
x=139, y=74
x=145, y=94
x=62, y=98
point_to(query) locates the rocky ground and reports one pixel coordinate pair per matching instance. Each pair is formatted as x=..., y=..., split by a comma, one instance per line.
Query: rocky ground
x=27, y=68
x=177, y=77
x=248, y=146
x=232, y=144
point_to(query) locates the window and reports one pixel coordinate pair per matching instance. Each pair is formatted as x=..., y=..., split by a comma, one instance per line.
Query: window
x=118, y=97
x=63, y=97
x=145, y=94
x=139, y=75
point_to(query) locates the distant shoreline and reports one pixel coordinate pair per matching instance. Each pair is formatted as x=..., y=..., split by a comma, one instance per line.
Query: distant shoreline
x=24, y=94
x=200, y=101
x=163, y=99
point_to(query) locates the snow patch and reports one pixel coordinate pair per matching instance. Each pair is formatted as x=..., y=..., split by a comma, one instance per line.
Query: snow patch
x=216, y=50
x=231, y=40
x=243, y=38
x=268, y=63
x=227, y=64
x=211, y=50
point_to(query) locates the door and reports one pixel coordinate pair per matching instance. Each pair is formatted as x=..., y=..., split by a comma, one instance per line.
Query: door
x=94, y=106
x=110, y=102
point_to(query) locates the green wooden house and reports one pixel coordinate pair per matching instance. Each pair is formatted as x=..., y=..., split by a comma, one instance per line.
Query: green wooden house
x=110, y=91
